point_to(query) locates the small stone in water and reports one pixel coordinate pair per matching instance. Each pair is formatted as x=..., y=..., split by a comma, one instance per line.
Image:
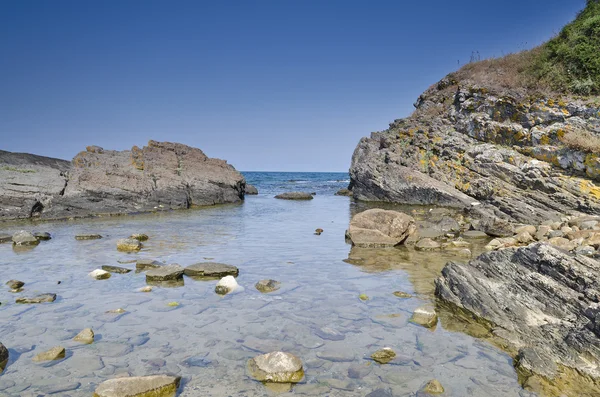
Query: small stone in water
x=384, y=355
x=115, y=269
x=87, y=236
x=173, y=304
x=99, y=274
x=318, y=231
x=226, y=285
x=139, y=236
x=433, y=387
x=146, y=289
x=363, y=297
x=14, y=284
x=86, y=336
x=42, y=236
x=401, y=294
x=266, y=286
x=43, y=298
x=117, y=311
x=56, y=353
x=277, y=367
x=425, y=316
x=128, y=245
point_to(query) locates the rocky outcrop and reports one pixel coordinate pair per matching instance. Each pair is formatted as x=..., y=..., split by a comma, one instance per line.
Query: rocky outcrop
x=161, y=175
x=497, y=154
x=542, y=303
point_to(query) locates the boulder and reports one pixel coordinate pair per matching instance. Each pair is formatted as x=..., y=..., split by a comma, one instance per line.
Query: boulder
x=145, y=264
x=251, y=190
x=42, y=298
x=211, y=270
x=129, y=245
x=295, y=196
x=226, y=285
x=424, y=316
x=384, y=355
x=24, y=238
x=427, y=244
x=380, y=228
x=139, y=386
x=165, y=273
x=86, y=336
x=56, y=353
x=537, y=297
x=276, y=367
x=115, y=269
x=99, y=274
x=266, y=286
x=92, y=236
x=3, y=357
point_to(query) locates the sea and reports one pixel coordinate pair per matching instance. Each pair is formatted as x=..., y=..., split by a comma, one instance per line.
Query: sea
x=190, y=331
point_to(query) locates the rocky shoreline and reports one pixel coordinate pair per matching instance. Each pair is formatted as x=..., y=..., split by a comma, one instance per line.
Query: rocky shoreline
x=156, y=177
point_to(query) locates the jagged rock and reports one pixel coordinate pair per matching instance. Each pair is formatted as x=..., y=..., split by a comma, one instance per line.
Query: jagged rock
x=15, y=284
x=344, y=192
x=226, y=285
x=87, y=237
x=384, y=355
x=276, y=367
x=99, y=274
x=139, y=237
x=24, y=238
x=251, y=190
x=266, y=286
x=295, y=196
x=425, y=316
x=129, y=245
x=537, y=297
x=211, y=270
x=433, y=387
x=139, y=386
x=165, y=273
x=56, y=353
x=115, y=269
x=42, y=236
x=3, y=357
x=43, y=298
x=145, y=264
x=86, y=336
x=427, y=244
x=380, y=228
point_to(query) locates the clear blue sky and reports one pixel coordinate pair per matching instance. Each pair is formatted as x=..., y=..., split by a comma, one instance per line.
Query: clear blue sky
x=283, y=85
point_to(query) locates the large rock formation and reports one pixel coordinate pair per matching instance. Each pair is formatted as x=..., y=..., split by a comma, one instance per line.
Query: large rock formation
x=466, y=145
x=161, y=175
x=542, y=305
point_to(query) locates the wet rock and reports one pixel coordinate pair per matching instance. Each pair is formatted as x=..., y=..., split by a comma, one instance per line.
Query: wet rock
x=99, y=274
x=139, y=237
x=117, y=311
x=276, y=367
x=384, y=355
x=268, y=285
x=115, y=269
x=165, y=273
x=474, y=234
x=294, y=196
x=5, y=238
x=42, y=298
x=139, y=386
x=251, y=190
x=86, y=336
x=363, y=297
x=433, y=387
x=24, y=238
x=211, y=270
x=145, y=264
x=329, y=333
x=318, y=231
x=128, y=245
x=380, y=228
x=344, y=192
x=42, y=236
x=424, y=316
x=56, y=353
x=226, y=285
x=147, y=288
x=3, y=357
x=15, y=284
x=403, y=295
x=87, y=236
x=427, y=244
x=537, y=297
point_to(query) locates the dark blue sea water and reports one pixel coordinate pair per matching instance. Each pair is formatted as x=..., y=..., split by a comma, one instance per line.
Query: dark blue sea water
x=273, y=183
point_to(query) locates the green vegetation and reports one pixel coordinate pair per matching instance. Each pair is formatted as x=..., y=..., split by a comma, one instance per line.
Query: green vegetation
x=24, y=171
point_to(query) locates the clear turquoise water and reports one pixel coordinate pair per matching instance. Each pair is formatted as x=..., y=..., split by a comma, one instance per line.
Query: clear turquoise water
x=207, y=339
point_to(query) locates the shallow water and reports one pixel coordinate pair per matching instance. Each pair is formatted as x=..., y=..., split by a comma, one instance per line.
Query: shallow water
x=207, y=339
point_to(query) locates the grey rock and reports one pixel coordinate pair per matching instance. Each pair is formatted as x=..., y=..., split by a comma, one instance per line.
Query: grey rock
x=211, y=270
x=139, y=386
x=42, y=236
x=165, y=273
x=380, y=228
x=539, y=297
x=359, y=371
x=427, y=244
x=145, y=264
x=43, y=298
x=266, y=286
x=56, y=353
x=276, y=367
x=295, y=196
x=115, y=269
x=251, y=190
x=24, y=238
x=129, y=245
x=475, y=234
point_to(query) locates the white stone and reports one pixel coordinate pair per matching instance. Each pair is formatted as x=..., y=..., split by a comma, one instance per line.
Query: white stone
x=226, y=285
x=99, y=274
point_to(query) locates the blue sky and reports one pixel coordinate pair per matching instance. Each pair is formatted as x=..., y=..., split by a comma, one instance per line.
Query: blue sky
x=281, y=85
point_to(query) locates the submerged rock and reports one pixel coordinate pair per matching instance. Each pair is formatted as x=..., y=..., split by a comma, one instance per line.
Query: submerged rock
x=251, y=190
x=24, y=238
x=115, y=269
x=4, y=355
x=139, y=386
x=266, y=286
x=129, y=245
x=99, y=274
x=56, y=353
x=165, y=273
x=380, y=228
x=277, y=367
x=294, y=196
x=211, y=270
x=538, y=297
x=424, y=316
x=427, y=244
x=86, y=336
x=87, y=236
x=43, y=298
x=226, y=285
x=384, y=355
